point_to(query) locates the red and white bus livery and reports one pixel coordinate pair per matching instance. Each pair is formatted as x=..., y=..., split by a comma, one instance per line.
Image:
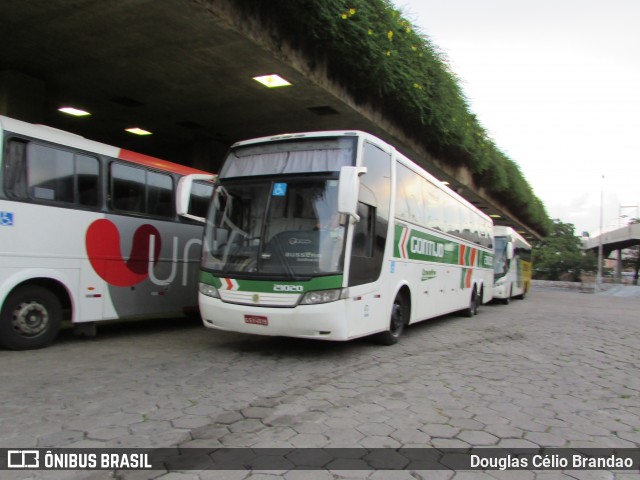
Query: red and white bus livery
x=90, y=232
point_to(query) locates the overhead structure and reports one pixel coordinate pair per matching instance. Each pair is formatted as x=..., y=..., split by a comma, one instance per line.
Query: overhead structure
x=183, y=80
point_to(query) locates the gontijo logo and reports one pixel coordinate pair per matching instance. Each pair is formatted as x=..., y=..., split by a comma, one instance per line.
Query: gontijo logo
x=412, y=245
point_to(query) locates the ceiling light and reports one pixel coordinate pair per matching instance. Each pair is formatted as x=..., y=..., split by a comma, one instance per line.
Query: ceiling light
x=76, y=112
x=272, y=81
x=137, y=131
x=495, y=215
x=445, y=183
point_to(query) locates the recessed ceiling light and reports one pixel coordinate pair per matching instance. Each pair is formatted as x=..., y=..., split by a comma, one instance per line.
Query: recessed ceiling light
x=138, y=131
x=272, y=81
x=76, y=112
x=495, y=215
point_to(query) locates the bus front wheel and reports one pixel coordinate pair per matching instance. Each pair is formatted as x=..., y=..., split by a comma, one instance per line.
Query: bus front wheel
x=399, y=316
x=31, y=317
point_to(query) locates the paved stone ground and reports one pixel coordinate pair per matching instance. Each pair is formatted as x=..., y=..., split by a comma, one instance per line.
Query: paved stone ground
x=559, y=369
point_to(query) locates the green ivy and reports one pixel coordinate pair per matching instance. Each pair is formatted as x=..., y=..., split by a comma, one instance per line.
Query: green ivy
x=381, y=58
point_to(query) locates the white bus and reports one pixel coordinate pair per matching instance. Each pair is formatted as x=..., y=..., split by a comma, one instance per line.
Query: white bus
x=512, y=265
x=89, y=232
x=336, y=235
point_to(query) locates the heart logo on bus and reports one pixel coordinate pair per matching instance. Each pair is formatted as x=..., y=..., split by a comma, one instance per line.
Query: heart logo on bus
x=103, y=249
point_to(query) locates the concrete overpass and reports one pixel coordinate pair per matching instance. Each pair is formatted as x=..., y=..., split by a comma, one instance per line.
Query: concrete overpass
x=184, y=70
x=615, y=241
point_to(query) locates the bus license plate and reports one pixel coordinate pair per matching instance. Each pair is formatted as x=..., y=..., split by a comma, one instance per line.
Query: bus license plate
x=256, y=320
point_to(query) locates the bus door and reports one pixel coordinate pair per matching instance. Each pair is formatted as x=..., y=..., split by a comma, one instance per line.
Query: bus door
x=369, y=241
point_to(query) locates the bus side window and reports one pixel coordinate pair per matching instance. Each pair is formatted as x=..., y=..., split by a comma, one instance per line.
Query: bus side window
x=159, y=194
x=127, y=188
x=15, y=173
x=87, y=180
x=201, y=194
x=50, y=173
x=364, y=235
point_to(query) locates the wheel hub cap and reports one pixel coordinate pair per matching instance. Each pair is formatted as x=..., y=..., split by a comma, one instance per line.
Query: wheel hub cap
x=30, y=319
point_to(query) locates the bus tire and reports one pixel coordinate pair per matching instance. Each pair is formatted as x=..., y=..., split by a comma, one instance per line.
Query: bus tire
x=472, y=309
x=31, y=317
x=398, y=319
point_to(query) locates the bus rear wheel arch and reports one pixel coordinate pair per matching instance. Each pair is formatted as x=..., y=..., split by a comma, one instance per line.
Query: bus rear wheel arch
x=398, y=319
x=31, y=317
x=472, y=309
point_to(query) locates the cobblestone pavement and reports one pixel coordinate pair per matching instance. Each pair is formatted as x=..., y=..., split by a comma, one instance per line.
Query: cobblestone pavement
x=559, y=369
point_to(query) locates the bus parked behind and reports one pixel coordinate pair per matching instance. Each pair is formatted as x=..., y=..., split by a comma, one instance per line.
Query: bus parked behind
x=512, y=265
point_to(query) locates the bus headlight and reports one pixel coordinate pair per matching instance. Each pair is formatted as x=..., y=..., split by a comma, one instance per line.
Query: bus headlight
x=208, y=290
x=321, y=296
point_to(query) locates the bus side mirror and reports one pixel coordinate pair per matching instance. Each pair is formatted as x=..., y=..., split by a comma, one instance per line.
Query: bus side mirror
x=510, y=251
x=348, y=190
x=183, y=194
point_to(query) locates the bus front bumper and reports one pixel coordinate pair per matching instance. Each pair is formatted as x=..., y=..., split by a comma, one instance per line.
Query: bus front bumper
x=325, y=321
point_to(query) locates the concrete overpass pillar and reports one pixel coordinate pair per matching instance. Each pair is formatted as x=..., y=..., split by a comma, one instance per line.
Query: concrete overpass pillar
x=22, y=96
x=619, y=266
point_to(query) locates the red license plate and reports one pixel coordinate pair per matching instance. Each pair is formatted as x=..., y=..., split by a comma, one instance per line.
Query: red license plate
x=256, y=320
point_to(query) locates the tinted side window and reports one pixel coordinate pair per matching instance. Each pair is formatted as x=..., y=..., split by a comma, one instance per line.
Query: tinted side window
x=15, y=171
x=46, y=174
x=370, y=235
x=159, y=194
x=137, y=190
x=364, y=232
x=127, y=188
x=87, y=180
x=201, y=194
x=49, y=173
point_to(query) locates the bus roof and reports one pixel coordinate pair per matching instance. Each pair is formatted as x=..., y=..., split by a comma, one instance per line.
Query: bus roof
x=301, y=135
x=367, y=136
x=61, y=137
x=503, y=231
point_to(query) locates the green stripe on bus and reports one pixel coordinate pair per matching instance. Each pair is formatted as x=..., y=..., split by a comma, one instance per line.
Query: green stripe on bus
x=417, y=245
x=268, y=286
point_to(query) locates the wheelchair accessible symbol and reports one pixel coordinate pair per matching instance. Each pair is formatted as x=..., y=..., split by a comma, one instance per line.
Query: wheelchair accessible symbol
x=279, y=189
x=6, y=219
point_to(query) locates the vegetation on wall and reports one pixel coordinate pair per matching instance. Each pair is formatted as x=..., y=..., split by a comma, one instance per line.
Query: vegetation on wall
x=381, y=59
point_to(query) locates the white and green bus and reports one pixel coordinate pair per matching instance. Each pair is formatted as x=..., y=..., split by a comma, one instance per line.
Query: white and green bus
x=512, y=265
x=336, y=235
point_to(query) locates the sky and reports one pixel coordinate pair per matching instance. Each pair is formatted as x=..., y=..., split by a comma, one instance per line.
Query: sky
x=556, y=84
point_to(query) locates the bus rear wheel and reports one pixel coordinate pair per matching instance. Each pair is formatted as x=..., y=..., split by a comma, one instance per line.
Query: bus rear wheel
x=472, y=309
x=397, y=321
x=30, y=318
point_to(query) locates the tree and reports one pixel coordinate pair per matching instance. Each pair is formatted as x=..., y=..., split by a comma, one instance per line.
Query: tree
x=560, y=255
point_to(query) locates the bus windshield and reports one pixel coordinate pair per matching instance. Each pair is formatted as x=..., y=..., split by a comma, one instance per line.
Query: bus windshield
x=276, y=229
x=284, y=158
x=500, y=266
